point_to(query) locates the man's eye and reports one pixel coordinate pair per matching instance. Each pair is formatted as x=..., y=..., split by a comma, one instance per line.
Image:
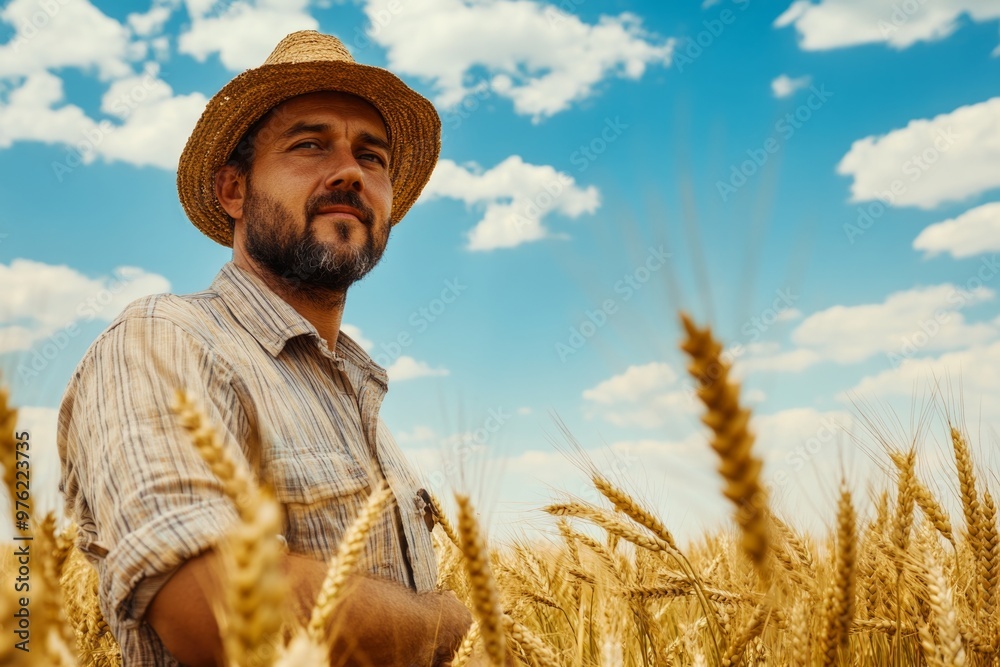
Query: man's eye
x=374, y=157
x=307, y=144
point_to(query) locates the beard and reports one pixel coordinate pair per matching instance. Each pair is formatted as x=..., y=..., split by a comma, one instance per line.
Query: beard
x=300, y=260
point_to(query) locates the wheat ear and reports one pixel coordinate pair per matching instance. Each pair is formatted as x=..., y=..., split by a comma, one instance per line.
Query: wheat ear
x=754, y=626
x=468, y=645
x=967, y=487
x=606, y=557
x=732, y=441
x=343, y=564
x=926, y=501
x=989, y=562
x=903, y=521
x=83, y=611
x=51, y=554
x=839, y=607
x=303, y=651
x=254, y=583
x=949, y=648
x=485, y=597
x=798, y=633
x=538, y=651
x=612, y=524
x=237, y=482
x=442, y=518
x=631, y=508
x=8, y=448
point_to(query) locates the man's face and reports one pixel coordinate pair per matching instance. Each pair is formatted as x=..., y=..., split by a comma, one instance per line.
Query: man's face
x=318, y=197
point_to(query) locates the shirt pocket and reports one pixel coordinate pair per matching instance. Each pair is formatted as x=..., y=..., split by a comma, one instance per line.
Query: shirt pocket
x=307, y=480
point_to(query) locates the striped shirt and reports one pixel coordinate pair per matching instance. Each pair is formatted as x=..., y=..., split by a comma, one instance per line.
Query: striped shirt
x=303, y=418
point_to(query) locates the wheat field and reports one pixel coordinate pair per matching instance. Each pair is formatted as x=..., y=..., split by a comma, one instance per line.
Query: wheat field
x=909, y=585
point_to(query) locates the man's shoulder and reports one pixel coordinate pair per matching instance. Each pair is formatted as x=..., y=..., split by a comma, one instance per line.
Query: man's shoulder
x=187, y=312
x=183, y=313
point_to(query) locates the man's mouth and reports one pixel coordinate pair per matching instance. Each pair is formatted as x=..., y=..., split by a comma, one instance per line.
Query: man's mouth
x=340, y=212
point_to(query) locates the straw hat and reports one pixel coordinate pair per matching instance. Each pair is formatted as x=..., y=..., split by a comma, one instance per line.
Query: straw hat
x=306, y=62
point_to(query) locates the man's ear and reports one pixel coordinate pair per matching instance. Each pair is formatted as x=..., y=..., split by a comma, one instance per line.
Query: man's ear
x=230, y=191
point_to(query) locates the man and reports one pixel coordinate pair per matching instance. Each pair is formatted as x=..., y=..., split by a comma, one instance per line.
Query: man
x=302, y=166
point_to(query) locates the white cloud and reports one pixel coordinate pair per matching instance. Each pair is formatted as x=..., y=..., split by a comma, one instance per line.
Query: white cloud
x=947, y=158
x=150, y=22
x=788, y=315
x=831, y=24
x=788, y=361
x=974, y=232
x=785, y=86
x=646, y=396
x=42, y=298
x=403, y=368
x=794, y=425
x=356, y=335
x=154, y=123
x=635, y=382
x=68, y=33
x=28, y=114
x=517, y=197
x=243, y=33
x=925, y=319
x=416, y=434
x=653, y=411
x=524, y=410
x=677, y=477
x=543, y=60
x=848, y=334
x=973, y=370
x=408, y=368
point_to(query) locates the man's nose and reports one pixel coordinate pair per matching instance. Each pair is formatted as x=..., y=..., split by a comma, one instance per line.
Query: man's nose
x=344, y=172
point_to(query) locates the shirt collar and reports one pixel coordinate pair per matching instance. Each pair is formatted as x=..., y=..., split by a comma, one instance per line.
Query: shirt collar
x=272, y=321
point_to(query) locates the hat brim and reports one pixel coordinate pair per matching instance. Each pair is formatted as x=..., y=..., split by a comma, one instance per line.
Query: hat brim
x=412, y=122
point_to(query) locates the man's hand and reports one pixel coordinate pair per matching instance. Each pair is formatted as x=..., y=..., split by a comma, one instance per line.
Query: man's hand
x=381, y=623
x=450, y=622
x=377, y=622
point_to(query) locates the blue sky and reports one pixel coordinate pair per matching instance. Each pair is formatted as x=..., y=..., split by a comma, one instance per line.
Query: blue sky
x=817, y=180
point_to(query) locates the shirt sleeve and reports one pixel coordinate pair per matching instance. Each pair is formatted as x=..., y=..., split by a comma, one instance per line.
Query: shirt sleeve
x=135, y=482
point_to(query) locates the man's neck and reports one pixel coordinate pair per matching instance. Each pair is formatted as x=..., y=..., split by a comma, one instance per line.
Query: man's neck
x=323, y=309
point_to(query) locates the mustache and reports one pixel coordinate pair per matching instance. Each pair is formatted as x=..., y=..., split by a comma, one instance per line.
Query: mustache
x=340, y=198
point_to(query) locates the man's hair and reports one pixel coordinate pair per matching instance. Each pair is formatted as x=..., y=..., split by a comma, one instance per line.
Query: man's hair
x=242, y=156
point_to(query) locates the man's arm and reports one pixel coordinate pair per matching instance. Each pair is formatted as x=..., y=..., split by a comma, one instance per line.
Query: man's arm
x=377, y=622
